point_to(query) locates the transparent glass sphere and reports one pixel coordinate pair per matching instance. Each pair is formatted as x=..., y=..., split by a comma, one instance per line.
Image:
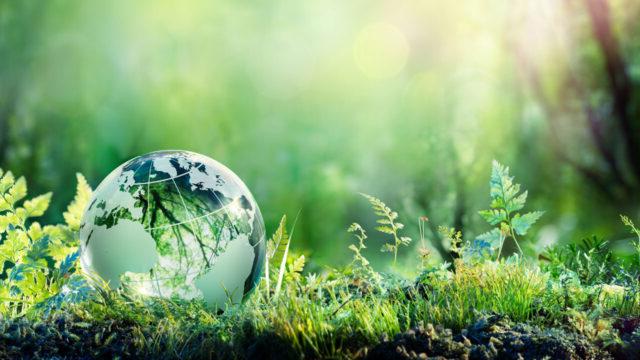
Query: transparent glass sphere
x=175, y=224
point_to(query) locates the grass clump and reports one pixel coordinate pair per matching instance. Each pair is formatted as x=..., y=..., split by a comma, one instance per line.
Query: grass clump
x=456, y=298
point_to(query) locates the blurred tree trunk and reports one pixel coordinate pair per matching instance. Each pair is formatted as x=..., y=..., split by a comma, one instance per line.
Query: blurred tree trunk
x=621, y=87
x=613, y=124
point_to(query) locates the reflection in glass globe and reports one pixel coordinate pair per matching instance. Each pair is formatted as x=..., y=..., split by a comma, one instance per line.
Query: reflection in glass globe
x=175, y=224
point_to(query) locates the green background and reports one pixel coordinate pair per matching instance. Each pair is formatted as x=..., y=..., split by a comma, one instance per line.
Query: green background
x=311, y=102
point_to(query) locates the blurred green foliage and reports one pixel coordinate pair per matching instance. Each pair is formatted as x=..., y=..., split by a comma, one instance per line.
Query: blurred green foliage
x=312, y=102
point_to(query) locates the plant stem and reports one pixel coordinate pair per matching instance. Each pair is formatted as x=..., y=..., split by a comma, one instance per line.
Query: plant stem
x=513, y=236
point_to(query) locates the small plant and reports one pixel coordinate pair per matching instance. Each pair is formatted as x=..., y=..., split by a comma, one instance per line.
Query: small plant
x=506, y=200
x=388, y=224
x=278, y=254
x=38, y=263
x=423, y=250
x=636, y=244
x=590, y=261
x=454, y=237
x=359, y=262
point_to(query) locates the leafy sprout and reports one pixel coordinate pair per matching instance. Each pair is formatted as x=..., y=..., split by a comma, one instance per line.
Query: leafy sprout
x=506, y=201
x=38, y=262
x=388, y=224
x=277, y=253
x=359, y=262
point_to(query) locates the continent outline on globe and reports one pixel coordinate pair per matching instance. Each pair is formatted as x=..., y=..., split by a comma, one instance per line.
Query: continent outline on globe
x=188, y=210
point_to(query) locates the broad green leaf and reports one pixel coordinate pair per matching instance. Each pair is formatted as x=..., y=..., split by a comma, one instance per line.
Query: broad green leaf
x=522, y=223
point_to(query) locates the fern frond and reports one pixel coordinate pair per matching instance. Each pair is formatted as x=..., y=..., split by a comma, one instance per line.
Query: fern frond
x=388, y=225
x=75, y=210
x=506, y=200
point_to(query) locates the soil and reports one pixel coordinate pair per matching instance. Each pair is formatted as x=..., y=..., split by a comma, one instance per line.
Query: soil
x=65, y=336
x=495, y=337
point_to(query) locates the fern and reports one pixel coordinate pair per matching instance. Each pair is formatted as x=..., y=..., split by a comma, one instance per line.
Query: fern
x=36, y=262
x=277, y=254
x=294, y=269
x=506, y=201
x=360, y=264
x=388, y=224
x=75, y=210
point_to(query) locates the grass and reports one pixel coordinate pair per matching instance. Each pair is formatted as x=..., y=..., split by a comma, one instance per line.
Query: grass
x=340, y=316
x=582, y=291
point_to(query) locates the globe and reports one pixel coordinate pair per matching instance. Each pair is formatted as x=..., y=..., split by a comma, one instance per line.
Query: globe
x=175, y=224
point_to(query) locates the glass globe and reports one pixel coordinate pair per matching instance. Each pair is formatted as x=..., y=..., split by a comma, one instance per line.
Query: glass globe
x=175, y=224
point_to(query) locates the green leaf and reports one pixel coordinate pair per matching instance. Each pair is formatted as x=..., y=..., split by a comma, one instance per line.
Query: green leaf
x=35, y=231
x=387, y=248
x=385, y=230
x=59, y=251
x=5, y=221
x=76, y=290
x=38, y=205
x=504, y=192
x=19, y=272
x=14, y=247
x=522, y=223
x=6, y=182
x=75, y=210
x=280, y=241
x=493, y=237
x=494, y=216
x=38, y=251
x=279, y=257
x=298, y=264
x=17, y=192
x=67, y=264
x=517, y=203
